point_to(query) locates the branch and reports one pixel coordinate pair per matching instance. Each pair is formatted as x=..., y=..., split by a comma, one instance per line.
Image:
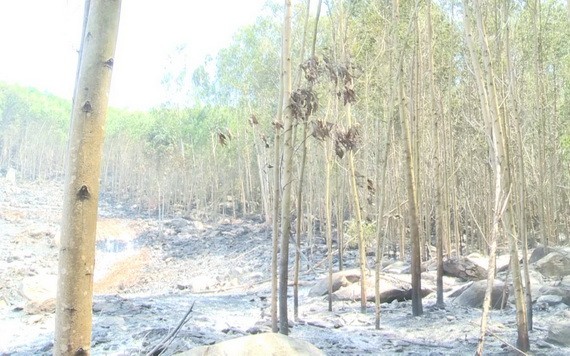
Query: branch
x=167, y=340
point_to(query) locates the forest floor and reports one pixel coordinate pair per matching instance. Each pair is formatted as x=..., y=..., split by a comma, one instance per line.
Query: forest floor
x=149, y=273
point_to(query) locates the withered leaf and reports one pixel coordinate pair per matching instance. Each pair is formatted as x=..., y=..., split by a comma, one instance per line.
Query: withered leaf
x=322, y=129
x=338, y=149
x=370, y=186
x=222, y=139
x=264, y=139
x=253, y=120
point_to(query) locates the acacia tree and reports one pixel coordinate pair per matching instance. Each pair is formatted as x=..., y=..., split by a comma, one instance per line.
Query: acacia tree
x=77, y=249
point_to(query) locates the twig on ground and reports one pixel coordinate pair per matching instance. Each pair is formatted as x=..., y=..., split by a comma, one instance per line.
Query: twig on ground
x=426, y=343
x=167, y=340
x=490, y=332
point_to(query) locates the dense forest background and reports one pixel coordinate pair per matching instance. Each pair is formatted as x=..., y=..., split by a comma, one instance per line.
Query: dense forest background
x=210, y=149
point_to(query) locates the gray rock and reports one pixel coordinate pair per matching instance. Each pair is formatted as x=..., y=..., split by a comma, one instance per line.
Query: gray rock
x=177, y=224
x=556, y=264
x=475, y=294
x=339, y=279
x=39, y=287
x=549, y=299
x=565, y=282
x=560, y=291
x=391, y=288
x=397, y=267
x=260, y=344
x=34, y=307
x=538, y=253
x=536, y=283
x=559, y=333
x=464, y=268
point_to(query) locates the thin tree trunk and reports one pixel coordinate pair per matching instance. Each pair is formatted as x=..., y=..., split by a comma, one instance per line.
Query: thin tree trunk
x=298, y=225
x=287, y=170
x=77, y=252
x=417, y=308
x=381, y=181
x=436, y=114
x=276, y=204
x=302, y=170
x=328, y=214
x=381, y=199
x=358, y=218
x=521, y=181
x=500, y=159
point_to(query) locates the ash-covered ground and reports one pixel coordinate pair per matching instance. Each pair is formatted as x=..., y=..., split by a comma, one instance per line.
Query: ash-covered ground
x=150, y=272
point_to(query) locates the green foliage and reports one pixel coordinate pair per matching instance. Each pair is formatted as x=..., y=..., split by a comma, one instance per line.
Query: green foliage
x=20, y=106
x=246, y=72
x=368, y=231
x=132, y=123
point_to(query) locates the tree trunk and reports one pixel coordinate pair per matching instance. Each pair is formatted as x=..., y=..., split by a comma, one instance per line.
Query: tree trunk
x=287, y=174
x=500, y=160
x=521, y=176
x=436, y=115
x=275, y=222
x=77, y=252
x=417, y=308
x=328, y=215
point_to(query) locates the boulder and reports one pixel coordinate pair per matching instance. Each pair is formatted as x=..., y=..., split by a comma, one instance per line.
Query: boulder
x=474, y=295
x=464, y=268
x=40, y=307
x=40, y=292
x=556, y=264
x=177, y=224
x=559, y=333
x=346, y=286
x=339, y=279
x=397, y=267
x=565, y=282
x=560, y=291
x=391, y=288
x=538, y=253
x=549, y=299
x=259, y=344
x=536, y=283
x=39, y=287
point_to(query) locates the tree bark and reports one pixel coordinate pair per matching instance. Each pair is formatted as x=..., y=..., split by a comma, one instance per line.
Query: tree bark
x=500, y=160
x=417, y=308
x=287, y=174
x=78, y=229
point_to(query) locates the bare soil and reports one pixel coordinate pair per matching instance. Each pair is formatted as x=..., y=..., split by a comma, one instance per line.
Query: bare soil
x=149, y=272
